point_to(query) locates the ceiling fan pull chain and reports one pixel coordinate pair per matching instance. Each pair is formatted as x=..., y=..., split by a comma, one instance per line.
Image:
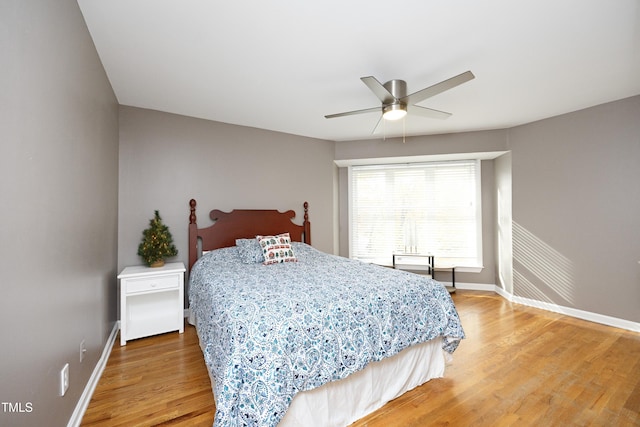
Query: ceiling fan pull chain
x=384, y=130
x=404, y=129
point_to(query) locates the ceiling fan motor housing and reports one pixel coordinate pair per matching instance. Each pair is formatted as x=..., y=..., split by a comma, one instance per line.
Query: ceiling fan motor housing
x=393, y=108
x=397, y=88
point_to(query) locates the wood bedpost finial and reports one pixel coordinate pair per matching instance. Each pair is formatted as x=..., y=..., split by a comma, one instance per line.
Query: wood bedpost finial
x=306, y=225
x=192, y=216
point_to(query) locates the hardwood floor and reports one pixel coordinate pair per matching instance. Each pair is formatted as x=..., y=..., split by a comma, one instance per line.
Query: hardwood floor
x=518, y=366
x=160, y=380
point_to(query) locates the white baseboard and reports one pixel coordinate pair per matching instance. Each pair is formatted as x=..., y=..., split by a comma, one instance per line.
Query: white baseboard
x=85, y=398
x=580, y=314
x=568, y=311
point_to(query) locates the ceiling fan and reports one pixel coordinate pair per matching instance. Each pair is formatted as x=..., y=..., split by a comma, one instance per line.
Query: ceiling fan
x=396, y=103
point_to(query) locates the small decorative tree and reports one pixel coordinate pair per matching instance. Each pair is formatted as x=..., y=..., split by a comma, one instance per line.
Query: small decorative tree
x=157, y=243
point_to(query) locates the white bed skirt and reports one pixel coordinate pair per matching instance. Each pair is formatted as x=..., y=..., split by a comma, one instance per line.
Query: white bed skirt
x=340, y=403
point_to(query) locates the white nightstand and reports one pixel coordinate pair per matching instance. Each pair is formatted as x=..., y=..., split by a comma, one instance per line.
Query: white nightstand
x=151, y=300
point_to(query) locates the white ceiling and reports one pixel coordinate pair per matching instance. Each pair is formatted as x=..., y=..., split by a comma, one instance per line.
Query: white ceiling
x=283, y=65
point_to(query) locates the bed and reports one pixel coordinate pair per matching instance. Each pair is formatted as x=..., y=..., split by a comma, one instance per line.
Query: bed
x=294, y=336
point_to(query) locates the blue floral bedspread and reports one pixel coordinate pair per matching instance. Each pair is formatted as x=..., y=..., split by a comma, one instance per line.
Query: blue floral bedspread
x=270, y=331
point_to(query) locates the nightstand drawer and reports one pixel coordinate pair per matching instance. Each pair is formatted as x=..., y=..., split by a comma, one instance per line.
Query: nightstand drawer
x=146, y=284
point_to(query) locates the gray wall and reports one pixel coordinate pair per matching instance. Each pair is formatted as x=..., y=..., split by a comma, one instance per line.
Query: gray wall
x=466, y=142
x=58, y=211
x=576, y=209
x=167, y=159
x=503, y=220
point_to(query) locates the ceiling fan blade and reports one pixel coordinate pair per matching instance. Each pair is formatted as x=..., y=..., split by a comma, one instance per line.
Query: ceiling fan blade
x=377, y=127
x=437, y=88
x=351, y=113
x=378, y=89
x=428, y=112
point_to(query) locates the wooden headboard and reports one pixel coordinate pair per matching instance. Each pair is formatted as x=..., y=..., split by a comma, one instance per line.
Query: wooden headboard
x=243, y=224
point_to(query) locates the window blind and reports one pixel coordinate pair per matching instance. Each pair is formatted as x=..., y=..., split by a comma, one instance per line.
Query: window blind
x=426, y=208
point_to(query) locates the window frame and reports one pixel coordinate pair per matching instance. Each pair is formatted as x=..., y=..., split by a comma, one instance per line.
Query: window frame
x=476, y=266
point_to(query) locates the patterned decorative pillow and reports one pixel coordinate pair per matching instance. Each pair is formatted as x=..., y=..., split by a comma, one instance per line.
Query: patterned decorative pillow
x=276, y=249
x=250, y=251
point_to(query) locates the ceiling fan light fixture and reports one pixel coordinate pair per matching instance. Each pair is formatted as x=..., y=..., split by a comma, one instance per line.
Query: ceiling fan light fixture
x=394, y=111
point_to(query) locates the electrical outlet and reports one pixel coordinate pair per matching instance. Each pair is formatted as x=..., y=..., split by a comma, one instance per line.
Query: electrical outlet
x=83, y=350
x=64, y=379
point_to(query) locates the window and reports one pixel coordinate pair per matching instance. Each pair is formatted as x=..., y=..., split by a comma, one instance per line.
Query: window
x=417, y=208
